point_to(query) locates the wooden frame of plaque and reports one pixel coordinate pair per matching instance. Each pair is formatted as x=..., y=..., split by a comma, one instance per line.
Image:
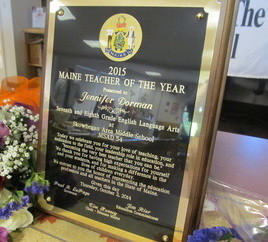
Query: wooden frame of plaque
x=130, y=105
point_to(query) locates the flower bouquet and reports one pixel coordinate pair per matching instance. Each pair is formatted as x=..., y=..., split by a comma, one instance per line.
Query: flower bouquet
x=19, y=179
x=217, y=233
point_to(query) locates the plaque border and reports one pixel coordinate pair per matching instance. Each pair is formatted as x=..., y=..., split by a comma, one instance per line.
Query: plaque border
x=217, y=45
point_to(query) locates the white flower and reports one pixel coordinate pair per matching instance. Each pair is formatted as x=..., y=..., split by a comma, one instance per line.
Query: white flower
x=20, y=219
x=17, y=152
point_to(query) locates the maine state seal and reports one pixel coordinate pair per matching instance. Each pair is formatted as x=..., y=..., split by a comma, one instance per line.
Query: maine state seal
x=120, y=37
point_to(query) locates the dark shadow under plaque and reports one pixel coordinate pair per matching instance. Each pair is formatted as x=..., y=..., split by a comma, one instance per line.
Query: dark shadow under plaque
x=118, y=130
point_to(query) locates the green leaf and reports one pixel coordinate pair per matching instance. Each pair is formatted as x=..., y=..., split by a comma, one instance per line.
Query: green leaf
x=19, y=193
x=227, y=237
x=32, y=160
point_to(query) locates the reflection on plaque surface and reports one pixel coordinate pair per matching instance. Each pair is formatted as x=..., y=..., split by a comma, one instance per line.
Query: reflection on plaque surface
x=122, y=88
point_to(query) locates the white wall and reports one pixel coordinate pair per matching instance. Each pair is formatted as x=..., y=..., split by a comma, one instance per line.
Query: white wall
x=8, y=65
x=3, y=72
x=22, y=19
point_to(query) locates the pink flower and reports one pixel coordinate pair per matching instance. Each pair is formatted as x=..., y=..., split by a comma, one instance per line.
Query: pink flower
x=3, y=234
x=4, y=131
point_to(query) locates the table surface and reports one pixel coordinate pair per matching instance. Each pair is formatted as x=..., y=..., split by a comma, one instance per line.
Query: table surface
x=241, y=161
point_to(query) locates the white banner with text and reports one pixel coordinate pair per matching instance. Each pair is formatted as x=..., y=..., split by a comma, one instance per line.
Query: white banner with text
x=249, y=56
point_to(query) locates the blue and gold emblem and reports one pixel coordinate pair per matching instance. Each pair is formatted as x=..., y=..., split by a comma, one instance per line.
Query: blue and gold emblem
x=120, y=37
